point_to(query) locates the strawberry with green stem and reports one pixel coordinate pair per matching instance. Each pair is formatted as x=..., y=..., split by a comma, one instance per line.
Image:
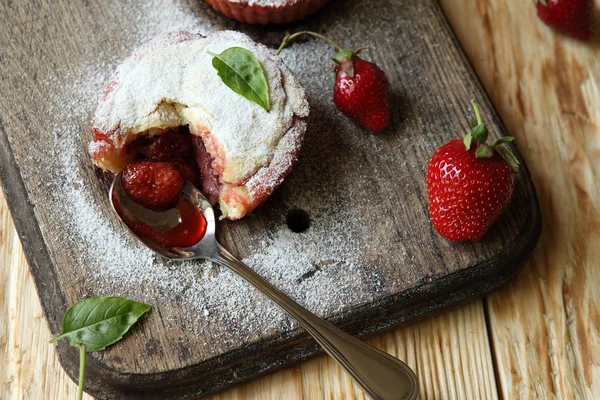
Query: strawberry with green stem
x=154, y=185
x=361, y=89
x=470, y=183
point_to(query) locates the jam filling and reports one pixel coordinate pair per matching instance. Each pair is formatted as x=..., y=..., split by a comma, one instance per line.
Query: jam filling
x=155, y=180
x=190, y=229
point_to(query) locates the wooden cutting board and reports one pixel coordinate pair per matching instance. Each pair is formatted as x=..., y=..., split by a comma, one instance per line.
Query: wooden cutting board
x=366, y=258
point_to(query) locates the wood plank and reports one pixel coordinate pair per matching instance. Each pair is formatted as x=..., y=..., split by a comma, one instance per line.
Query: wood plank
x=30, y=366
x=544, y=325
x=449, y=352
x=408, y=281
x=471, y=15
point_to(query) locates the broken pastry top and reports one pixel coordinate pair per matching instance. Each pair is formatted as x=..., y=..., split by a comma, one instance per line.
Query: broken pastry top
x=242, y=151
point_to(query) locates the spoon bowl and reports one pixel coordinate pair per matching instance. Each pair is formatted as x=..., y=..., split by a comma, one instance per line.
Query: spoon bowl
x=380, y=375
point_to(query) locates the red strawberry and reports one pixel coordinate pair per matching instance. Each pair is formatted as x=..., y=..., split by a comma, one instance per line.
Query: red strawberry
x=571, y=17
x=155, y=185
x=361, y=90
x=170, y=145
x=361, y=93
x=470, y=183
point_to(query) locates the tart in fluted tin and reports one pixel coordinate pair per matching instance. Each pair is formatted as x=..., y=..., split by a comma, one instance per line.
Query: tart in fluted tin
x=267, y=11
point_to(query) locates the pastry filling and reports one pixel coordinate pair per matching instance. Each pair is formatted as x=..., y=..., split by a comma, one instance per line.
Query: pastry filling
x=185, y=152
x=167, y=103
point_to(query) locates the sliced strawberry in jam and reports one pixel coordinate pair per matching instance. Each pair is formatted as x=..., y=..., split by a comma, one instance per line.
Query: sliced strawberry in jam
x=171, y=145
x=155, y=185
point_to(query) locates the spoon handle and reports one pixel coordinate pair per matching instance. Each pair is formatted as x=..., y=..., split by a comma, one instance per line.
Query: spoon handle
x=380, y=375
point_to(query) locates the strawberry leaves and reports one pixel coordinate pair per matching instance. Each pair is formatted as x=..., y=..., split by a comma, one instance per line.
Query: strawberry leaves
x=505, y=139
x=508, y=157
x=468, y=140
x=480, y=134
x=484, y=151
x=95, y=323
x=241, y=72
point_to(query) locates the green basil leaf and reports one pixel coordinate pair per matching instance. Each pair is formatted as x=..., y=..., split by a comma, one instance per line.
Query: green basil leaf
x=240, y=70
x=100, y=321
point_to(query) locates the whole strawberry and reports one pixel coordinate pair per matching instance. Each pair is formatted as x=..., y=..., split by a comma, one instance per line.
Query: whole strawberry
x=470, y=183
x=155, y=185
x=571, y=17
x=361, y=90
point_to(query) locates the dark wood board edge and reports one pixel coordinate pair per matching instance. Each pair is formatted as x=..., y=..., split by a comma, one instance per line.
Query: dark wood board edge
x=104, y=382
x=415, y=304
x=32, y=240
x=34, y=247
x=107, y=383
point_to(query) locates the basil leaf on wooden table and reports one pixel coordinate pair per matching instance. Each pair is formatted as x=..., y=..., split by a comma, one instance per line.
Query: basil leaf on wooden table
x=240, y=70
x=100, y=321
x=97, y=322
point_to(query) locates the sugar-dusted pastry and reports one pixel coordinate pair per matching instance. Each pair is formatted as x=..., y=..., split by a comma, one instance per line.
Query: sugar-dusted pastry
x=267, y=11
x=167, y=103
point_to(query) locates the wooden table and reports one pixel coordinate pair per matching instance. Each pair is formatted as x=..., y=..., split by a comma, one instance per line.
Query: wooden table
x=536, y=338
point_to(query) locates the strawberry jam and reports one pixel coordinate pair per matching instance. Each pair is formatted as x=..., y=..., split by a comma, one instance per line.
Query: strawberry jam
x=189, y=231
x=180, y=226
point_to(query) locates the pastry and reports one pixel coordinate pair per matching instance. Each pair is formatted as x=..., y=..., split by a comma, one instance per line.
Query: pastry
x=169, y=87
x=267, y=11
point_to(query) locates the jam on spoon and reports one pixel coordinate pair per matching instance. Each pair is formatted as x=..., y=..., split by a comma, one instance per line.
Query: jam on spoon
x=188, y=230
x=153, y=190
x=380, y=375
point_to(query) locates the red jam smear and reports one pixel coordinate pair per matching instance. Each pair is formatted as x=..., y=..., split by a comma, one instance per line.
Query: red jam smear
x=191, y=228
x=175, y=147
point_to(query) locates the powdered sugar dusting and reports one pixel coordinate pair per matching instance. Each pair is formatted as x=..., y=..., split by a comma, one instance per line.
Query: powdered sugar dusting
x=171, y=82
x=330, y=268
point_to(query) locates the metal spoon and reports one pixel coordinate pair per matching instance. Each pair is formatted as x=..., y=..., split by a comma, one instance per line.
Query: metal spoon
x=380, y=375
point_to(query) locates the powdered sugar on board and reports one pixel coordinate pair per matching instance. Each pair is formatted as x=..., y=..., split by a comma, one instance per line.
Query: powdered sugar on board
x=330, y=268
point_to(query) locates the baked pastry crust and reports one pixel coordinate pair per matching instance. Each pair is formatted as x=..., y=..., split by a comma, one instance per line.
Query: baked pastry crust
x=267, y=11
x=243, y=151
